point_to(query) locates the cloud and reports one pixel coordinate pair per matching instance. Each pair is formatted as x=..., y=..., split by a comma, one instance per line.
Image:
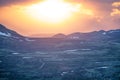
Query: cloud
x=4, y=3
x=115, y=10
x=116, y=4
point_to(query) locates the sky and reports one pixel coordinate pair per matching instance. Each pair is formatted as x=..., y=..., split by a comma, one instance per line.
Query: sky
x=34, y=18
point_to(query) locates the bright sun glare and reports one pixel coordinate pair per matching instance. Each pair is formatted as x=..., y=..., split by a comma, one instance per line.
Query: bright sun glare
x=52, y=10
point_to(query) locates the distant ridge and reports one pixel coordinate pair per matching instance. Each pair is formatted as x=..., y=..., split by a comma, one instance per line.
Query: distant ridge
x=91, y=35
x=11, y=40
x=77, y=35
x=60, y=35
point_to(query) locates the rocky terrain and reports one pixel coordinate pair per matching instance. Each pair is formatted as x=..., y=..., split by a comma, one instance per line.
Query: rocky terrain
x=77, y=56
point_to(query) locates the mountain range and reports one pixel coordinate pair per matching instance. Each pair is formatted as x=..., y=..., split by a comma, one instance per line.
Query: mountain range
x=111, y=34
x=11, y=40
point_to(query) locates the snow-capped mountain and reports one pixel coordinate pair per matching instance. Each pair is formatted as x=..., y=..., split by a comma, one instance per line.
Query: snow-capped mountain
x=12, y=40
x=5, y=32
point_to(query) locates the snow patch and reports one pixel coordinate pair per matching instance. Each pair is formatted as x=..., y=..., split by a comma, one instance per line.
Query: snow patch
x=75, y=37
x=104, y=33
x=15, y=53
x=71, y=50
x=27, y=39
x=27, y=57
x=72, y=71
x=5, y=34
x=0, y=61
x=97, y=62
x=63, y=73
x=104, y=67
x=85, y=49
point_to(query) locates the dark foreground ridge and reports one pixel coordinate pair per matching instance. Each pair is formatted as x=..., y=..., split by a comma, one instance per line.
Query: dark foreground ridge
x=77, y=56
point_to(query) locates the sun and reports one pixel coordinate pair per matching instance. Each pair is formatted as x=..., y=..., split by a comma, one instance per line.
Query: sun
x=52, y=10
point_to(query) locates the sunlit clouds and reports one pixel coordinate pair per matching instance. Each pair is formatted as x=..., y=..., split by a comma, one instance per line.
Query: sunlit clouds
x=51, y=10
x=116, y=9
x=116, y=4
x=56, y=10
x=30, y=17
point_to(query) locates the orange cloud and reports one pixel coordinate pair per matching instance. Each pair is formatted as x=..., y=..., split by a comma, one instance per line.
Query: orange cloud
x=116, y=4
x=116, y=10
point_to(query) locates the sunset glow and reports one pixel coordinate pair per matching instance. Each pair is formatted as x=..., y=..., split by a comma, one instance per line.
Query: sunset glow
x=52, y=10
x=48, y=17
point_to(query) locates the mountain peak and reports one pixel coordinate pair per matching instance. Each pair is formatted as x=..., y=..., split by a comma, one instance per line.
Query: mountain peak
x=59, y=35
x=0, y=24
x=101, y=34
x=2, y=27
x=7, y=32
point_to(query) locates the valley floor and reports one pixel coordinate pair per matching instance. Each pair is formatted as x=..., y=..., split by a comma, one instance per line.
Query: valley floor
x=76, y=64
